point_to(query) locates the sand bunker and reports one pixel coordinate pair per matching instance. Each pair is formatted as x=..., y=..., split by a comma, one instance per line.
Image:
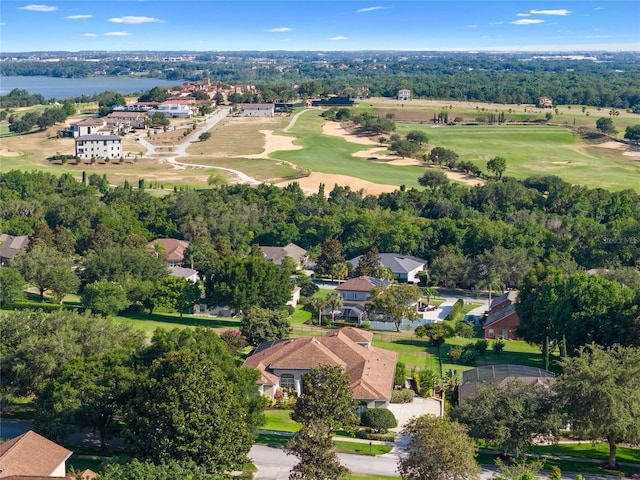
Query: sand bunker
x=274, y=143
x=311, y=184
x=5, y=152
x=627, y=150
x=334, y=129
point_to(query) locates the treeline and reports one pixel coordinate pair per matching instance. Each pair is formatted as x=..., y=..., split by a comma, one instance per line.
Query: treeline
x=481, y=78
x=503, y=227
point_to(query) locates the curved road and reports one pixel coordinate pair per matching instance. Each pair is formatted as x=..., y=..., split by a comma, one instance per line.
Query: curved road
x=180, y=150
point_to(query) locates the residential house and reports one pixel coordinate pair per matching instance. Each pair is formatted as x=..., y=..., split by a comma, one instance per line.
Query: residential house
x=10, y=245
x=276, y=255
x=355, y=294
x=371, y=370
x=502, y=320
x=98, y=146
x=32, y=456
x=88, y=126
x=404, y=95
x=503, y=373
x=172, y=110
x=257, y=110
x=545, y=102
x=171, y=247
x=137, y=120
x=405, y=268
x=182, y=272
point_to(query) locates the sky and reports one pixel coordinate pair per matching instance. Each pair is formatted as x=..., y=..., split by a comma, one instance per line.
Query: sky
x=329, y=25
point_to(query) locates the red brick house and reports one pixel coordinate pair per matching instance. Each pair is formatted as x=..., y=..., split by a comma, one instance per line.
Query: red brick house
x=502, y=320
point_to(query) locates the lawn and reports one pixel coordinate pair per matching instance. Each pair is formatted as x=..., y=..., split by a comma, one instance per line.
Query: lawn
x=149, y=323
x=599, y=451
x=280, y=421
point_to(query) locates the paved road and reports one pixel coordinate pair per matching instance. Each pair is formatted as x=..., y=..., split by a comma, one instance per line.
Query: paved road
x=180, y=150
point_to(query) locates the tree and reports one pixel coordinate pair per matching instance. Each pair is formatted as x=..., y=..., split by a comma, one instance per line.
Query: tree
x=405, y=148
x=606, y=126
x=89, y=393
x=600, y=392
x=313, y=445
x=379, y=419
x=511, y=415
x=326, y=399
x=632, y=133
x=105, y=297
x=11, y=285
x=433, y=179
x=437, y=333
x=497, y=165
x=369, y=264
x=204, y=136
x=47, y=269
x=441, y=155
x=334, y=302
x=263, y=325
x=170, y=469
x=159, y=119
x=330, y=257
x=176, y=293
x=437, y=449
x=319, y=304
x=396, y=302
x=417, y=136
x=185, y=408
x=246, y=282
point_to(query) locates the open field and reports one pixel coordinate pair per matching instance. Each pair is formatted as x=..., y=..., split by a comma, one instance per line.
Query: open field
x=315, y=151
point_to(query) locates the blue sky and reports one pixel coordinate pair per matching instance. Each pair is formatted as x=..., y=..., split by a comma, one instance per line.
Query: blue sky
x=206, y=25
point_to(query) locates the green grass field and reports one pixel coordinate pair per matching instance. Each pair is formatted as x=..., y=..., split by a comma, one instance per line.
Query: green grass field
x=280, y=421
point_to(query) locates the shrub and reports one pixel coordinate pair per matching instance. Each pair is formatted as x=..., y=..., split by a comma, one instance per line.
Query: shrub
x=404, y=395
x=454, y=354
x=555, y=473
x=468, y=356
x=455, y=314
x=481, y=346
x=379, y=419
x=400, y=375
x=498, y=345
x=463, y=330
x=369, y=435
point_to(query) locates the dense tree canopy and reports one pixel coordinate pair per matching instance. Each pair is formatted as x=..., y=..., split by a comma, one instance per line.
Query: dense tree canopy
x=600, y=392
x=438, y=449
x=264, y=325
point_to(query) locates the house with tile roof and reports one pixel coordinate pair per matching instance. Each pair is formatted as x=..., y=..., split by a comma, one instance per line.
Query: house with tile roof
x=172, y=247
x=405, y=268
x=10, y=245
x=355, y=294
x=32, y=456
x=98, y=146
x=371, y=370
x=276, y=255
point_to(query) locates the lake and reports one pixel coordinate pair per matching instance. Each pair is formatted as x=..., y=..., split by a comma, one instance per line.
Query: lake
x=61, y=88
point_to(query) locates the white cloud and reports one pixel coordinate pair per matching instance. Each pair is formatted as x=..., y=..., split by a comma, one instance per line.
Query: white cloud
x=369, y=9
x=496, y=23
x=523, y=14
x=39, y=8
x=89, y=34
x=279, y=30
x=562, y=12
x=472, y=26
x=117, y=34
x=527, y=21
x=338, y=38
x=134, y=20
x=599, y=8
x=78, y=17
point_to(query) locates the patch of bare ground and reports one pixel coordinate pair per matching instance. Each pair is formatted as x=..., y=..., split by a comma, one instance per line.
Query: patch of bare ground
x=626, y=149
x=336, y=129
x=5, y=152
x=311, y=184
x=274, y=143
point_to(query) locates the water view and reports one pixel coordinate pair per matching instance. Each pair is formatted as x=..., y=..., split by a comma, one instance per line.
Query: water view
x=51, y=87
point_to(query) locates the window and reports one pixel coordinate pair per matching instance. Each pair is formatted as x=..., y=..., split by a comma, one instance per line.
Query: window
x=491, y=333
x=505, y=333
x=287, y=381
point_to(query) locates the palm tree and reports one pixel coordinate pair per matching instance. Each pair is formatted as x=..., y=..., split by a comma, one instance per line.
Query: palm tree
x=334, y=301
x=429, y=292
x=319, y=304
